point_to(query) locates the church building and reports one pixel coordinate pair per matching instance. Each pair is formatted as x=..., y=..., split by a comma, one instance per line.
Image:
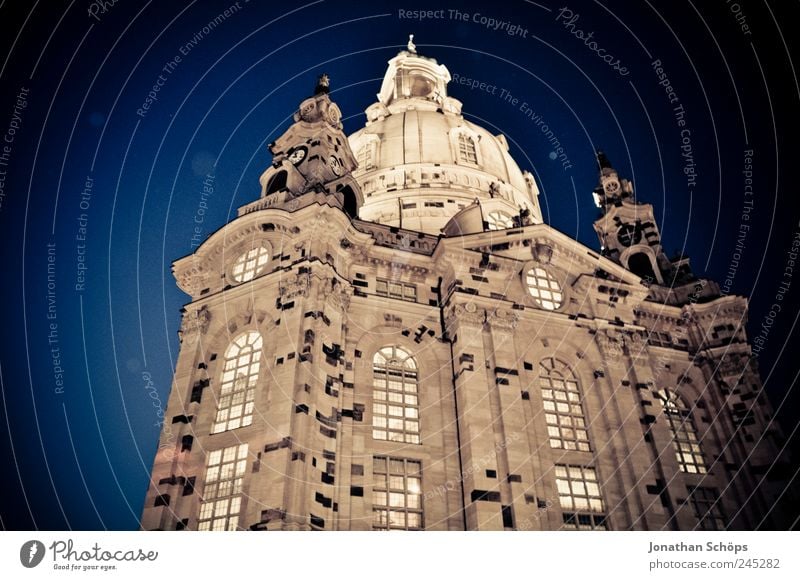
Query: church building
x=391, y=338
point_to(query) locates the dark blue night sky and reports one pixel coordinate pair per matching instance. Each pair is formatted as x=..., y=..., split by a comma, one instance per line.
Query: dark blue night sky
x=101, y=186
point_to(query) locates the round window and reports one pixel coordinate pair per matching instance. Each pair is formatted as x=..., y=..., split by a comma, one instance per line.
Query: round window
x=250, y=264
x=544, y=288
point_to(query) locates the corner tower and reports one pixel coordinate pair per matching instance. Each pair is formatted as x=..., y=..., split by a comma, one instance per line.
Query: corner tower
x=629, y=235
x=261, y=346
x=312, y=155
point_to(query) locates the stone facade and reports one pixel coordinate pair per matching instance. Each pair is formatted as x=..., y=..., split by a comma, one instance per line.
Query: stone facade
x=537, y=384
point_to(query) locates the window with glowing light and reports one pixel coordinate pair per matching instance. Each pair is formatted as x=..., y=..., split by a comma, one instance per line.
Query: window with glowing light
x=222, y=493
x=544, y=288
x=395, y=399
x=250, y=264
x=498, y=220
x=563, y=408
x=238, y=384
x=396, y=494
x=684, y=433
x=579, y=495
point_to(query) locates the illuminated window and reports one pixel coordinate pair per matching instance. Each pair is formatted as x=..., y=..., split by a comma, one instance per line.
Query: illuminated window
x=395, y=405
x=239, y=378
x=544, y=288
x=250, y=264
x=580, y=499
x=684, y=433
x=498, y=220
x=707, y=508
x=396, y=494
x=466, y=149
x=563, y=412
x=219, y=508
x=364, y=156
x=398, y=290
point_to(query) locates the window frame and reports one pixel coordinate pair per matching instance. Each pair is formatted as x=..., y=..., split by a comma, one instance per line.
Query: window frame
x=712, y=503
x=394, y=410
x=370, y=143
x=241, y=251
x=219, y=508
x=456, y=136
x=551, y=275
x=385, y=475
x=492, y=220
x=574, y=515
x=383, y=287
x=560, y=422
x=686, y=440
x=229, y=387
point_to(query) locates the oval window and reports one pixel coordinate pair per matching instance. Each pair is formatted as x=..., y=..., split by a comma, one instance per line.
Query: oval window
x=250, y=264
x=544, y=288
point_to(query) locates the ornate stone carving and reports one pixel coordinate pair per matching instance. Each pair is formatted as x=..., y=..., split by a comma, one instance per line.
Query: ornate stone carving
x=503, y=319
x=610, y=343
x=636, y=346
x=731, y=365
x=336, y=294
x=195, y=322
x=467, y=313
x=295, y=286
x=542, y=253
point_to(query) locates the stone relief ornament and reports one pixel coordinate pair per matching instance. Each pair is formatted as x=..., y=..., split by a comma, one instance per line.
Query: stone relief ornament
x=335, y=293
x=732, y=364
x=503, y=319
x=196, y=322
x=636, y=346
x=542, y=253
x=307, y=111
x=467, y=313
x=333, y=115
x=294, y=286
x=610, y=344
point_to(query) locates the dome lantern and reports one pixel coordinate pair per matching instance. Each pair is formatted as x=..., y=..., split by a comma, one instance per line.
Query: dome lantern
x=414, y=81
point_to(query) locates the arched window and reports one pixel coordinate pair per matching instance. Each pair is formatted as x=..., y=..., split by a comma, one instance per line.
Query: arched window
x=640, y=264
x=395, y=406
x=239, y=377
x=466, y=149
x=563, y=412
x=350, y=201
x=277, y=182
x=498, y=220
x=684, y=433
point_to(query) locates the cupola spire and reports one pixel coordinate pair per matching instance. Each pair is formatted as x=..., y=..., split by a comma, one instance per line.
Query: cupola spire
x=412, y=48
x=323, y=85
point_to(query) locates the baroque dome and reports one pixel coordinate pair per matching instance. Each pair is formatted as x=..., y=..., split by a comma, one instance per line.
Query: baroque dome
x=420, y=162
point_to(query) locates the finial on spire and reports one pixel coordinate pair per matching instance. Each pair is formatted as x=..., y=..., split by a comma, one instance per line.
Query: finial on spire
x=323, y=84
x=412, y=48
